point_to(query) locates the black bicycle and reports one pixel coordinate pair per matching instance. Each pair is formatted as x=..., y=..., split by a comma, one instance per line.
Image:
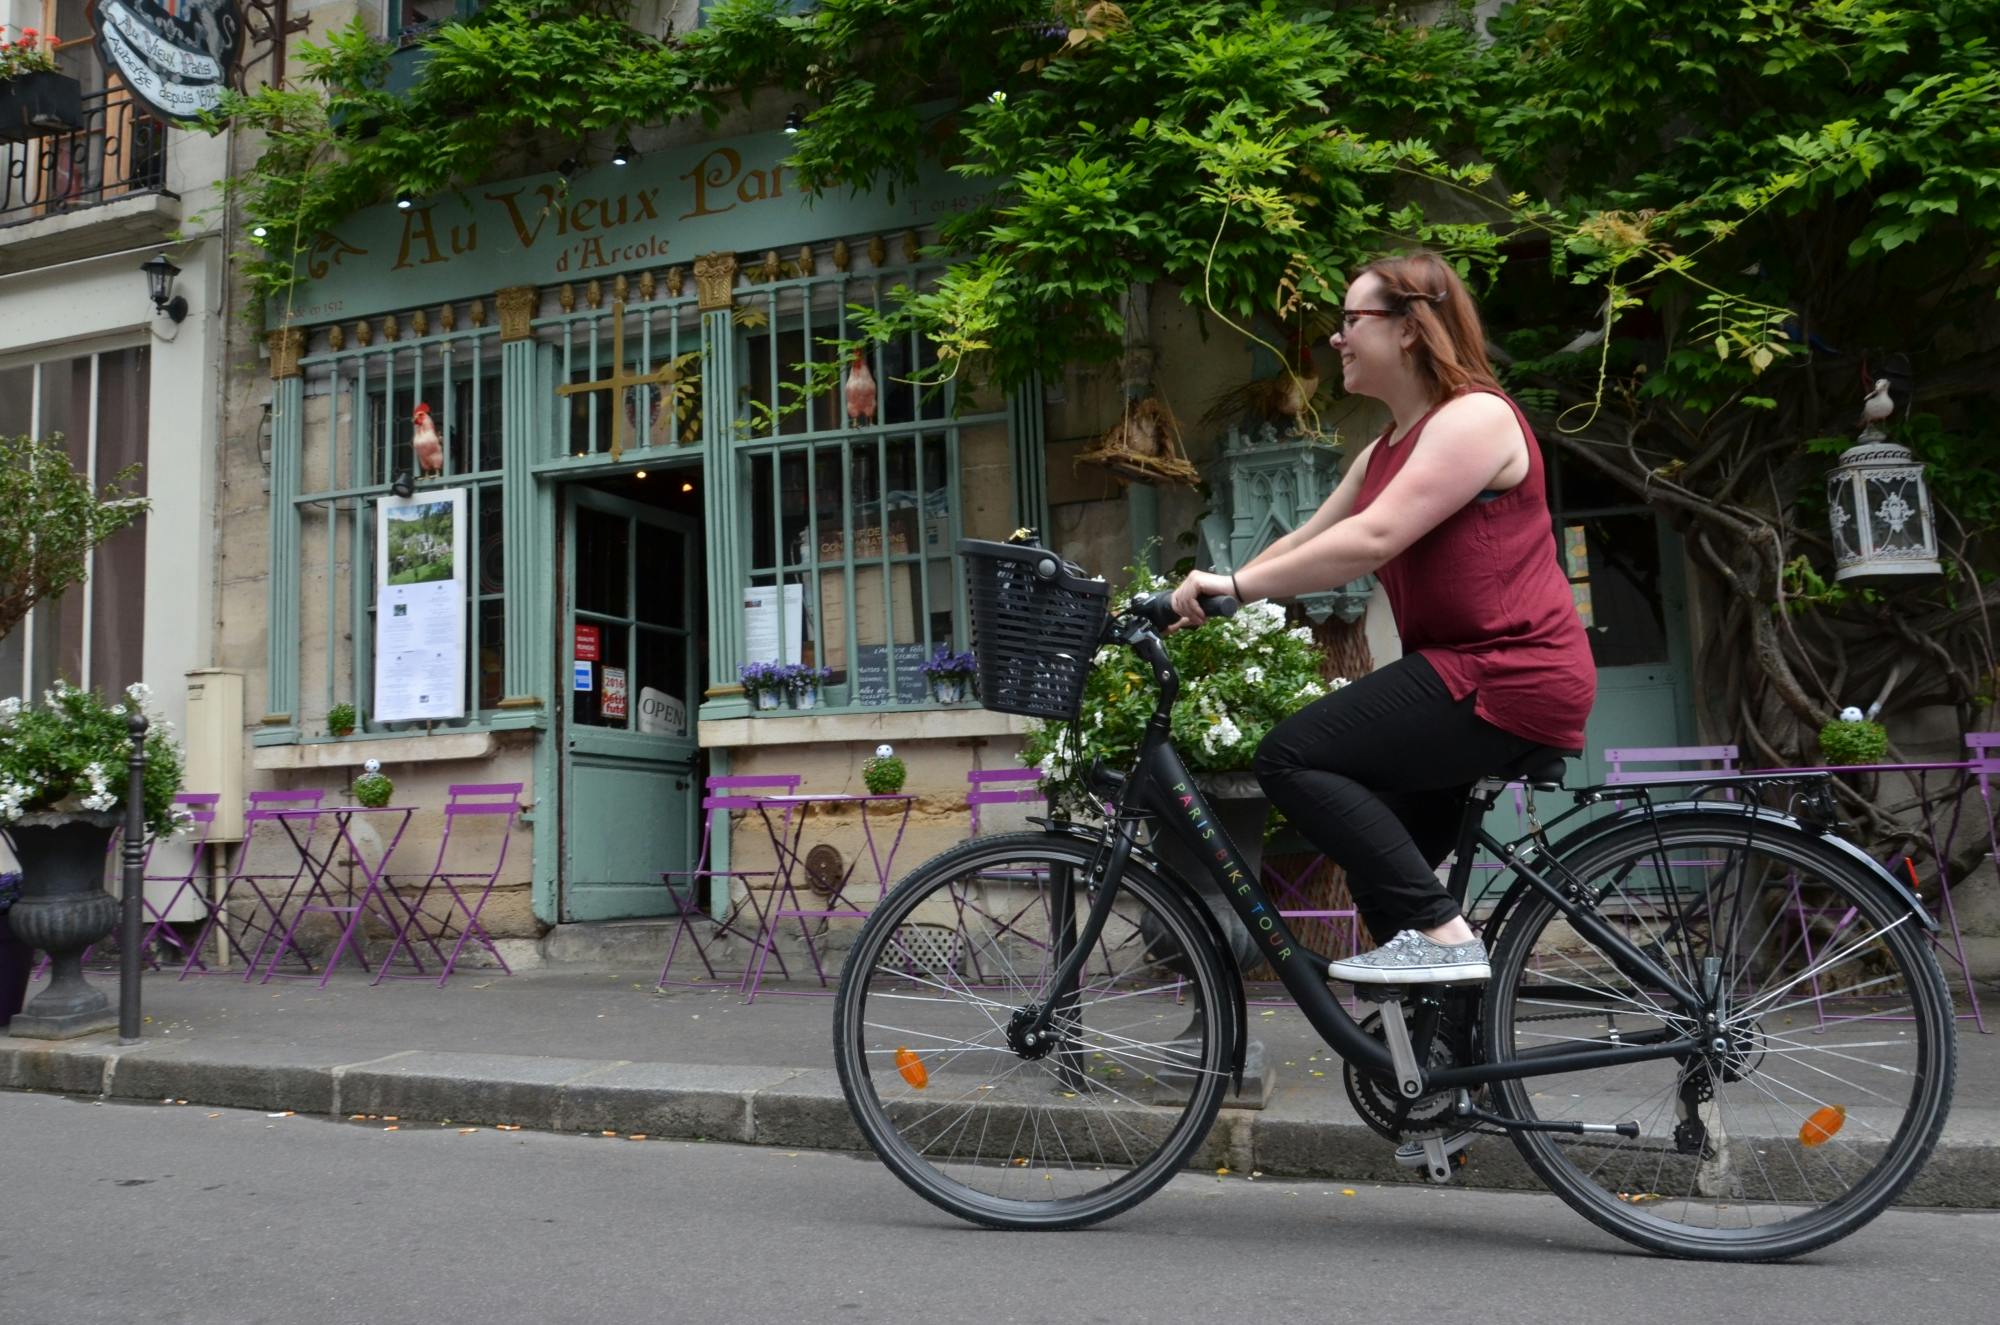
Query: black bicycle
x=1714, y=1028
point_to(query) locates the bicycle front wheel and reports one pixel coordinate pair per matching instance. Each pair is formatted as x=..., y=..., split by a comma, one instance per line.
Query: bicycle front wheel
x=1093, y=1115
x=1836, y=1051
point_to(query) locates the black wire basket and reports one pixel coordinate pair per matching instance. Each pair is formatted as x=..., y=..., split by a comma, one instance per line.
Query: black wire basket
x=1036, y=624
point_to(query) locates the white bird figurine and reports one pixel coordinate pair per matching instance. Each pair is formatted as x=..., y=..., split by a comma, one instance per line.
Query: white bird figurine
x=426, y=443
x=860, y=390
x=1878, y=406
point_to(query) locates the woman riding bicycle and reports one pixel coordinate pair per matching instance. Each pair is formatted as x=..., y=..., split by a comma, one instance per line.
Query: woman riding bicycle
x=1448, y=508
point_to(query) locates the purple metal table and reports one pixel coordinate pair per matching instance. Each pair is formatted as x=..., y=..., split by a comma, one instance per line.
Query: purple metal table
x=786, y=841
x=1951, y=941
x=370, y=895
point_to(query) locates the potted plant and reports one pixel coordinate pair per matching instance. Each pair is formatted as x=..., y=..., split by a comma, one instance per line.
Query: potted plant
x=1852, y=739
x=803, y=682
x=950, y=674
x=764, y=683
x=1239, y=679
x=17, y=959
x=341, y=719
x=35, y=98
x=883, y=773
x=63, y=778
x=373, y=788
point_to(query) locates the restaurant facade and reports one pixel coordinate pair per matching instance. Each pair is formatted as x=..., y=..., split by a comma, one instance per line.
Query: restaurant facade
x=548, y=467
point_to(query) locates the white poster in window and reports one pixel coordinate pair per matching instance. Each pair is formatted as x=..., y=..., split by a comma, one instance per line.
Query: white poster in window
x=760, y=623
x=420, y=607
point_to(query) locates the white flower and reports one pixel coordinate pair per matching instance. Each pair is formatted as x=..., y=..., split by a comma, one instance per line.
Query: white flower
x=1254, y=675
x=12, y=796
x=10, y=709
x=101, y=796
x=1301, y=633
x=1339, y=683
x=372, y=766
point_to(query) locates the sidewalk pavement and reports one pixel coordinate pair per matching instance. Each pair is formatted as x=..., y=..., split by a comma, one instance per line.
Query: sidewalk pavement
x=592, y=1049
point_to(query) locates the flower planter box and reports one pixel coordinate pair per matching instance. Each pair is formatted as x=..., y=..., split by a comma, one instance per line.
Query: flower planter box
x=33, y=105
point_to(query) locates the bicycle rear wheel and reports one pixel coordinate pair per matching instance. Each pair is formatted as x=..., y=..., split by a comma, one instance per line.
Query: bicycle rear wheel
x=930, y=1025
x=1838, y=1053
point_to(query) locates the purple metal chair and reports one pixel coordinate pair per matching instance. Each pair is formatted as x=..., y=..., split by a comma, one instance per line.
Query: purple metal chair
x=998, y=786
x=466, y=891
x=270, y=889
x=742, y=917
x=200, y=807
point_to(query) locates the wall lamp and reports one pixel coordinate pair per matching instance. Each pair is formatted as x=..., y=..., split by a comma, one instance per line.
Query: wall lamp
x=160, y=275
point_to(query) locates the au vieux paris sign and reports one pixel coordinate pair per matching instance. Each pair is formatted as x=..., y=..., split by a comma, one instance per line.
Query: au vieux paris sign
x=664, y=208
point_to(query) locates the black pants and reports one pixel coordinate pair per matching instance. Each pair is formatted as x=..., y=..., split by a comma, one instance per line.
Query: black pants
x=1375, y=776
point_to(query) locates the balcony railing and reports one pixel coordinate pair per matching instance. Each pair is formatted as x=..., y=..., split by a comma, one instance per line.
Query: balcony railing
x=120, y=150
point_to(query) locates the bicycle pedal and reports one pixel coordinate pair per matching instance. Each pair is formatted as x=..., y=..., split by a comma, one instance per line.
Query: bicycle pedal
x=1457, y=1150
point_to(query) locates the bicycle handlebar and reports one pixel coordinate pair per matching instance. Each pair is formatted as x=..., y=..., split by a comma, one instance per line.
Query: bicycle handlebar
x=1157, y=609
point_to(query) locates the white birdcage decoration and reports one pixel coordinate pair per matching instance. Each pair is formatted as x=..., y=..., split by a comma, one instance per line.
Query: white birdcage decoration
x=1880, y=510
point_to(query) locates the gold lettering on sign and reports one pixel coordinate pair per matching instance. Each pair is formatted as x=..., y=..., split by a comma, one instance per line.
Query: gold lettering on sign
x=720, y=173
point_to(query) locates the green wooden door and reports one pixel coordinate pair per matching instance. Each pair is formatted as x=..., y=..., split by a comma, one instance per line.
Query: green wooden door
x=631, y=675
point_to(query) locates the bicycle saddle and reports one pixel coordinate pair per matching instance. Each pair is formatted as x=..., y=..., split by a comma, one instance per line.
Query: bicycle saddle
x=1541, y=768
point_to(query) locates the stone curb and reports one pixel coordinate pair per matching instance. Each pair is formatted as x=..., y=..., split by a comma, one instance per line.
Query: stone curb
x=792, y=1107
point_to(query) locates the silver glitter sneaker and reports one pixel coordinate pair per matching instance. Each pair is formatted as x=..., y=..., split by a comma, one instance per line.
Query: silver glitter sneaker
x=1412, y=959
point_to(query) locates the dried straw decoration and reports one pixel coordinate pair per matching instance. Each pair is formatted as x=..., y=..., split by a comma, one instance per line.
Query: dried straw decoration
x=1145, y=446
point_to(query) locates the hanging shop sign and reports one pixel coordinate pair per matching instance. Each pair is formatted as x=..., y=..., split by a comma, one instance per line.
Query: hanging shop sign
x=663, y=209
x=420, y=607
x=176, y=57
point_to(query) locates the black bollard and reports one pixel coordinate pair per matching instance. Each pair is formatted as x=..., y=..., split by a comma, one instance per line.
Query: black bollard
x=130, y=960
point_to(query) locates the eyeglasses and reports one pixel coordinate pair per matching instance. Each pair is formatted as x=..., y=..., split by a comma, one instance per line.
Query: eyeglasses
x=1349, y=316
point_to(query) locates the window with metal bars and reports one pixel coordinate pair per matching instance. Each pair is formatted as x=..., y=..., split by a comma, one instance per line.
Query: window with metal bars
x=360, y=433
x=852, y=506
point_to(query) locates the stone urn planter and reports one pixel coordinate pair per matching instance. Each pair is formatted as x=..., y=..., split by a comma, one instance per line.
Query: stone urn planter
x=63, y=909
x=33, y=105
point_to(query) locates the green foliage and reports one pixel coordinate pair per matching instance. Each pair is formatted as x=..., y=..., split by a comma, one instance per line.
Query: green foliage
x=342, y=718
x=1239, y=678
x=882, y=772
x=373, y=789
x=71, y=753
x=1853, y=742
x=53, y=521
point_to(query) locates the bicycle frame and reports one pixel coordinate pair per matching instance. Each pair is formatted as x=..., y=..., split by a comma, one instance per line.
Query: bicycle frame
x=1161, y=788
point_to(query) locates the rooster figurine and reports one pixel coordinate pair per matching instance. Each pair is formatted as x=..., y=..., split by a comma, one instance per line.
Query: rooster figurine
x=426, y=443
x=860, y=391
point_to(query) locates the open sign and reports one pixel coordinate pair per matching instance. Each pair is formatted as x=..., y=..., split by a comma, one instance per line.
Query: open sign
x=660, y=713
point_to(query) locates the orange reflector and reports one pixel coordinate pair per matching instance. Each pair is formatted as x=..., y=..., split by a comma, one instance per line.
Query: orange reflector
x=1819, y=1129
x=912, y=1068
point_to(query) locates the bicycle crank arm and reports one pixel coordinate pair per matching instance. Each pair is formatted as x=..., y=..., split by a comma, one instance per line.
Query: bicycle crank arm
x=1470, y=1112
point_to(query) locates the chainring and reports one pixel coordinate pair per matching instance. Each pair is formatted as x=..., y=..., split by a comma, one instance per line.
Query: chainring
x=1385, y=1112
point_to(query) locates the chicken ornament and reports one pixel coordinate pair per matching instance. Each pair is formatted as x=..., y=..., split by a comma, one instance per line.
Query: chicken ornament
x=426, y=443
x=860, y=391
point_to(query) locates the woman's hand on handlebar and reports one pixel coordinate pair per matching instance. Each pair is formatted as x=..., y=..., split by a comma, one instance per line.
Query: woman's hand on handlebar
x=1187, y=597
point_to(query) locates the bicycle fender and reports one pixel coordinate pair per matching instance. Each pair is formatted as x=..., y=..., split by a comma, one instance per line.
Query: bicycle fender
x=1232, y=974
x=1763, y=814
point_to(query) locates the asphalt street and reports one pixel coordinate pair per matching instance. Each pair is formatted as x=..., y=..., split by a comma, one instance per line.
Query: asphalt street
x=169, y=1213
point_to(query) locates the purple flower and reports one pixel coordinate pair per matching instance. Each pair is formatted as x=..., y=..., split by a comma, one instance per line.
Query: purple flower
x=944, y=662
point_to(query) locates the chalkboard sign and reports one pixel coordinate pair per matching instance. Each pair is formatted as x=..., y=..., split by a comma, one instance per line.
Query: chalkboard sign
x=871, y=674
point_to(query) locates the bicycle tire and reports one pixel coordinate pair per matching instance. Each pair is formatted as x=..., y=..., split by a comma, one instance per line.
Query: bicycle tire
x=1761, y=1173
x=1107, y=1100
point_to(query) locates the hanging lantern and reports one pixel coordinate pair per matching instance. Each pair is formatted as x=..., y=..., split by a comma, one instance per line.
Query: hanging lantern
x=1880, y=510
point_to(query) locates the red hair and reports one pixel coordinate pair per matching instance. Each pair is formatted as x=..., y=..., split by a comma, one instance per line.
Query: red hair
x=1450, y=352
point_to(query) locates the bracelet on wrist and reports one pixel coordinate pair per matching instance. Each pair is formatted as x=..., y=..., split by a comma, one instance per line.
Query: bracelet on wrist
x=1234, y=588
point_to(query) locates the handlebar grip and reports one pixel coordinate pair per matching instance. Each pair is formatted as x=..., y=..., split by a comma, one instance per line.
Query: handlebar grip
x=1158, y=608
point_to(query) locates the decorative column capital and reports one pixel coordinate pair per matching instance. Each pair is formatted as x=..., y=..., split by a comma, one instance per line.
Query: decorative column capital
x=517, y=311
x=715, y=279
x=288, y=346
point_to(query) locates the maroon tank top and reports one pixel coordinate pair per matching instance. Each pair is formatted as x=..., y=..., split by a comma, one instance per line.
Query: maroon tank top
x=1483, y=598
